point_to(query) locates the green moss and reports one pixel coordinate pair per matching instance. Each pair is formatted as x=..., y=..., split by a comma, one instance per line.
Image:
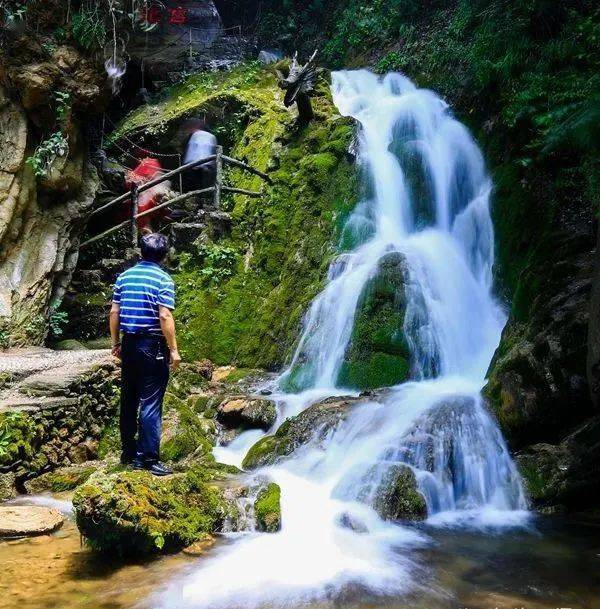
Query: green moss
x=17, y=437
x=135, y=513
x=260, y=452
x=378, y=370
x=267, y=509
x=110, y=441
x=190, y=436
x=60, y=480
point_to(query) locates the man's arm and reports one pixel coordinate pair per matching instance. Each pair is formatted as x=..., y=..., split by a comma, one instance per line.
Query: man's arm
x=113, y=320
x=167, y=325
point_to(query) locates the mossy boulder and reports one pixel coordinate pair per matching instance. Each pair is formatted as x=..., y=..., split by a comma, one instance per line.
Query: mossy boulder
x=378, y=354
x=61, y=479
x=241, y=411
x=135, y=513
x=396, y=496
x=267, y=509
x=313, y=424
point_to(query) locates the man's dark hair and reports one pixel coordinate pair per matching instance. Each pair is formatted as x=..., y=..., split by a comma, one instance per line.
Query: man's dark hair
x=154, y=246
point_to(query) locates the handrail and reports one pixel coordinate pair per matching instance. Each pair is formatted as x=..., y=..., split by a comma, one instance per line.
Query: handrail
x=154, y=182
x=219, y=157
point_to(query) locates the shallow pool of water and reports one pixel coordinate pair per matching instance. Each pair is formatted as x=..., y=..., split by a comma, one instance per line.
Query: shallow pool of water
x=556, y=565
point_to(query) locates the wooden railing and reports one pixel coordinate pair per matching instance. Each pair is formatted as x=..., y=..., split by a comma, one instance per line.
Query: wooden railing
x=219, y=158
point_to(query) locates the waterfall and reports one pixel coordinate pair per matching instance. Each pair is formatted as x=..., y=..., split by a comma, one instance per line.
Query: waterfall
x=426, y=199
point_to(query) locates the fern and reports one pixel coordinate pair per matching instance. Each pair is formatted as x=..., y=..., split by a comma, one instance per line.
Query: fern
x=88, y=28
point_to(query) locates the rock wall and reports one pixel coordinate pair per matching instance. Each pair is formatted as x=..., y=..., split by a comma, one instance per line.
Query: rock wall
x=55, y=417
x=41, y=216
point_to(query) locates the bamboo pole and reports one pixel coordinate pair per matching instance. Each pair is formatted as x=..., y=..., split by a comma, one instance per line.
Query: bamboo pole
x=218, y=176
x=237, y=163
x=135, y=199
x=241, y=191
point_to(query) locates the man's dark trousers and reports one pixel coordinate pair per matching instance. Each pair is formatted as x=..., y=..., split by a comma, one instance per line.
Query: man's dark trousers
x=144, y=378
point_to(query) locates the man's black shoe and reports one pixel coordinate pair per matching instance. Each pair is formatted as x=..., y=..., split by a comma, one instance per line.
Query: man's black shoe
x=158, y=469
x=138, y=464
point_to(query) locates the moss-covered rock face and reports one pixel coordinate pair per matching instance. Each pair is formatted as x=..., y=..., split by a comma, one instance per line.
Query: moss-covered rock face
x=267, y=509
x=537, y=385
x=378, y=355
x=313, y=424
x=240, y=299
x=135, y=513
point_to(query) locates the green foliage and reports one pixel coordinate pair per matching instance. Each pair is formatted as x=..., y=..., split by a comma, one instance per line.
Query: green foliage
x=88, y=27
x=14, y=11
x=241, y=299
x=47, y=152
x=217, y=262
x=57, y=321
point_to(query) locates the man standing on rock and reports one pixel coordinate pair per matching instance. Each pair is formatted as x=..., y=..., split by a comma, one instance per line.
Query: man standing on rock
x=143, y=299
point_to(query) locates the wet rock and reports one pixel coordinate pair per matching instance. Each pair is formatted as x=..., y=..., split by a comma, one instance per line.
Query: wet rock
x=183, y=234
x=135, y=513
x=200, y=547
x=563, y=476
x=396, y=496
x=349, y=521
x=313, y=424
x=70, y=344
x=26, y=520
x=204, y=368
x=247, y=412
x=267, y=509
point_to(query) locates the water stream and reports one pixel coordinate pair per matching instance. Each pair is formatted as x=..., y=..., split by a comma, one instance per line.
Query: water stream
x=427, y=199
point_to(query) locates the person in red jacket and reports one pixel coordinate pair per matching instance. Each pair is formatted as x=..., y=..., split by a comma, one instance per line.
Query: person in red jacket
x=148, y=169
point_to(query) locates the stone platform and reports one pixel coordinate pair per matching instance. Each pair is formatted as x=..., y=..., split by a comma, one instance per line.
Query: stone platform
x=54, y=405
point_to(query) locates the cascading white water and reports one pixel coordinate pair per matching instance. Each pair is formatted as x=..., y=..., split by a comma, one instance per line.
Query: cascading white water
x=428, y=199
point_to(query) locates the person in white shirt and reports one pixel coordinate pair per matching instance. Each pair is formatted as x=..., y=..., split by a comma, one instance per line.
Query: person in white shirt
x=201, y=143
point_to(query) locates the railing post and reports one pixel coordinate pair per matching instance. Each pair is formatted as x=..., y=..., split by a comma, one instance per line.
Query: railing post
x=218, y=176
x=134, y=213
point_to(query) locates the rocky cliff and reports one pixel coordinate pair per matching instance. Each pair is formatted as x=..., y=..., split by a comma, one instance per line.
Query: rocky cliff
x=47, y=182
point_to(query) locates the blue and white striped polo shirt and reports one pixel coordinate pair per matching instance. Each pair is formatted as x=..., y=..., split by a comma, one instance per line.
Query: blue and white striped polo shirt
x=139, y=291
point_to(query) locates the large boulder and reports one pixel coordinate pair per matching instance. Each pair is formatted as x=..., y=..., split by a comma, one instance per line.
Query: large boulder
x=241, y=411
x=378, y=354
x=135, y=513
x=313, y=424
x=267, y=509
